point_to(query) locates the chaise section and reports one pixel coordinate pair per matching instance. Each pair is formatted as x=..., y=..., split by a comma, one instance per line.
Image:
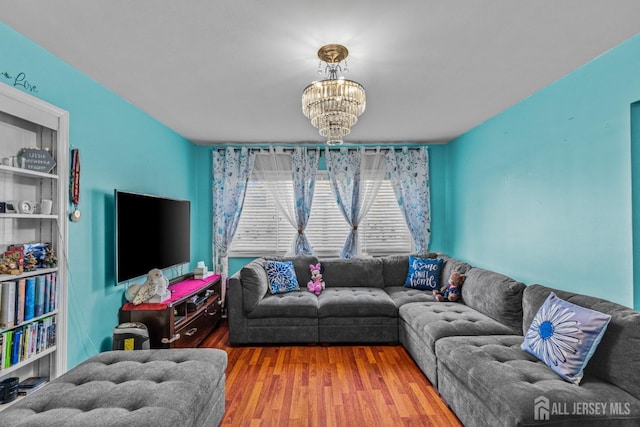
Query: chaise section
x=489, y=380
x=617, y=358
x=423, y=324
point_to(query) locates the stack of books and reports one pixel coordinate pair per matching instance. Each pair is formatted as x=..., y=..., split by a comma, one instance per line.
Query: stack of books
x=31, y=384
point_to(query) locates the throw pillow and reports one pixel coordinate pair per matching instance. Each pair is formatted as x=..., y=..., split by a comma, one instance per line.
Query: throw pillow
x=282, y=276
x=565, y=336
x=424, y=273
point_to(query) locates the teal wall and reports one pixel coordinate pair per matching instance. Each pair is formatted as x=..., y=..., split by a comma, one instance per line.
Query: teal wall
x=120, y=147
x=543, y=191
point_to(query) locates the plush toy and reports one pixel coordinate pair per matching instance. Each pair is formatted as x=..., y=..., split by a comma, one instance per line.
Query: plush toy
x=156, y=284
x=316, y=284
x=451, y=292
x=131, y=292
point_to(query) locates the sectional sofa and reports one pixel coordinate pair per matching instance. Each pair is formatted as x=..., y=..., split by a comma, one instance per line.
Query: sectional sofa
x=469, y=350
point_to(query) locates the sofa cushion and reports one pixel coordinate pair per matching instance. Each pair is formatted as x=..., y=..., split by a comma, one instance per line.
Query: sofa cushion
x=565, y=336
x=435, y=320
x=255, y=283
x=496, y=295
x=289, y=304
x=353, y=272
x=424, y=273
x=401, y=295
x=490, y=380
x=282, y=276
x=619, y=345
x=355, y=302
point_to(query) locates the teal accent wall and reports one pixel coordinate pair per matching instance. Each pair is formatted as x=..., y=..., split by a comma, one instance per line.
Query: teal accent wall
x=543, y=191
x=635, y=199
x=121, y=147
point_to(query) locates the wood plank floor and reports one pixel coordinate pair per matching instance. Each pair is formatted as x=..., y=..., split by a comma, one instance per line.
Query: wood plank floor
x=326, y=386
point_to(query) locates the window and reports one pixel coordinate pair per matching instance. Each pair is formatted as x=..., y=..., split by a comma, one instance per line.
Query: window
x=262, y=230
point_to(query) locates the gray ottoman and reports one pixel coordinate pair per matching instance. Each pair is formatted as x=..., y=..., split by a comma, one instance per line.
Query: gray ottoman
x=177, y=387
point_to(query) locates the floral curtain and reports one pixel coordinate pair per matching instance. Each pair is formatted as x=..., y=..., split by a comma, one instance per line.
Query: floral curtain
x=304, y=164
x=409, y=173
x=278, y=170
x=231, y=170
x=355, y=177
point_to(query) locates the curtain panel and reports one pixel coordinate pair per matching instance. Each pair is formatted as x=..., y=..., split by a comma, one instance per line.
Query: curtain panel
x=231, y=171
x=355, y=176
x=276, y=170
x=409, y=173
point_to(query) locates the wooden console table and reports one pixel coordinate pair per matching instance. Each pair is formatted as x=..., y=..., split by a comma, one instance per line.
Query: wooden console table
x=185, y=319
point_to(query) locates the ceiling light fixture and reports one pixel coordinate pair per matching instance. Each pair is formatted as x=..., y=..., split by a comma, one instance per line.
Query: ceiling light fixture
x=333, y=104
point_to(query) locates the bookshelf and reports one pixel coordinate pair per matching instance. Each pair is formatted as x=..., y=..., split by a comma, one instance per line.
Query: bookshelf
x=29, y=123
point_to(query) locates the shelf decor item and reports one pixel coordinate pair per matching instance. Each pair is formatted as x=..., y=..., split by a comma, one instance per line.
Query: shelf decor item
x=36, y=159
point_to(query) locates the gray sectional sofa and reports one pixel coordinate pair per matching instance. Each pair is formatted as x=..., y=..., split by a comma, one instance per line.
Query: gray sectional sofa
x=470, y=350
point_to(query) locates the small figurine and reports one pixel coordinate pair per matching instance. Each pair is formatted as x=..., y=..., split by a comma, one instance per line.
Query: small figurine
x=30, y=262
x=316, y=284
x=50, y=260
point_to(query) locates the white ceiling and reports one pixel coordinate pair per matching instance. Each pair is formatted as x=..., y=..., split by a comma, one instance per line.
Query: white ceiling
x=233, y=71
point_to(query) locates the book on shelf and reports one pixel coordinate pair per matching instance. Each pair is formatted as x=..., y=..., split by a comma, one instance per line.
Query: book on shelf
x=30, y=298
x=8, y=304
x=31, y=384
x=6, y=349
x=39, y=303
x=16, y=346
x=20, y=295
x=47, y=293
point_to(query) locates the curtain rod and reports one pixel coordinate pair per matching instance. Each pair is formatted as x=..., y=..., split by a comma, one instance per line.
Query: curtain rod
x=287, y=149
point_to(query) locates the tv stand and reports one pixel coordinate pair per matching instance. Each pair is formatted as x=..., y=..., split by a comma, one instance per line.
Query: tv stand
x=192, y=312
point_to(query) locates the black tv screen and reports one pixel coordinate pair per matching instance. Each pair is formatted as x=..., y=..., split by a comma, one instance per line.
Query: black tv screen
x=151, y=232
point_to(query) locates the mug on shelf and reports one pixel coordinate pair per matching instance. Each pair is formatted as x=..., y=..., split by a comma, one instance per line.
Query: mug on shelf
x=46, y=205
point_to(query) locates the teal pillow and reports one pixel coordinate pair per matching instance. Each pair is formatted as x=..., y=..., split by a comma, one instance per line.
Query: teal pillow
x=565, y=336
x=424, y=273
x=282, y=276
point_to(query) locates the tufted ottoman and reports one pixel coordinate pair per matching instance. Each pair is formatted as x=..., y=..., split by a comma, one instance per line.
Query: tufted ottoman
x=177, y=387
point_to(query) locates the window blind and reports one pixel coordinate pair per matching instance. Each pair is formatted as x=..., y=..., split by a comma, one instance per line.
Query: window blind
x=263, y=231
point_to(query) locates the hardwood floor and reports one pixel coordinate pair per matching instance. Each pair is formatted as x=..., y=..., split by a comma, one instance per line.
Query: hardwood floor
x=326, y=386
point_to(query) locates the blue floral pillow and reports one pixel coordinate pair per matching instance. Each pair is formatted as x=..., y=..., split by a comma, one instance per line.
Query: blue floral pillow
x=424, y=273
x=282, y=276
x=565, y=336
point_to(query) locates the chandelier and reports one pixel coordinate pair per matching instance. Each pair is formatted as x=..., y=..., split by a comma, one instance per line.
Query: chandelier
x=333, y=104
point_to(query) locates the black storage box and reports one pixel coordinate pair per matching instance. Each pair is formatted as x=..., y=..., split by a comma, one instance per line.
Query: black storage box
x=9, y=389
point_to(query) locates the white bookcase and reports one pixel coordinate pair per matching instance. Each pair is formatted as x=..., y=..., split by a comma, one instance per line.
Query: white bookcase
x=28, y=122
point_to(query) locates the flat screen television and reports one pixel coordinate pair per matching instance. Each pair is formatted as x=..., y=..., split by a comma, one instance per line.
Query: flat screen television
x=151, y=232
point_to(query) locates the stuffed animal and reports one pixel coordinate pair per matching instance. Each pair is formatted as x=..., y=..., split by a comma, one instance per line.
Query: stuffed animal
x=316, y=284
x=156, y=284
x=131, y=292
x=451, y=292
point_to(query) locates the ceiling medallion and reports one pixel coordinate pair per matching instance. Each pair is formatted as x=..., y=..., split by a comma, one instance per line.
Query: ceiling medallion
x=334, y=104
